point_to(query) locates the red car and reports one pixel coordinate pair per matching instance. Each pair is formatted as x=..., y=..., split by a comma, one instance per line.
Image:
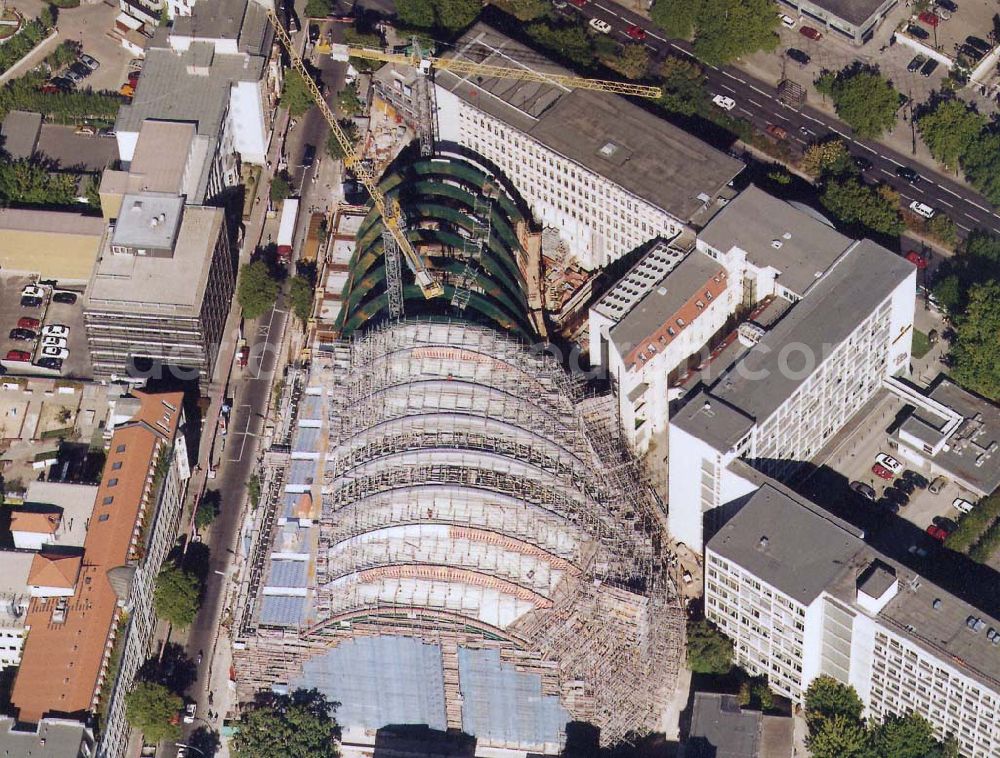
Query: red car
x=578, y=3
x=937, y=533
x=931, y=19
x=881, y=471
x=22, y=356
x=776, y=131
x=917, y=259
x=636, y=32
x=808, y=31
x=27, y=322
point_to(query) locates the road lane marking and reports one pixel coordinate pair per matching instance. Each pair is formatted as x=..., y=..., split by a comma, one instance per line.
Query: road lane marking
x=887, y=173
x=945, y=202
x=975, y=220
x=752, y=102
x=960, y=226
x=760, y=91
x=892, y=160
x=727, y=87
x=747, y=112
x=977, y=205
x=869, y=149
x=950, y=192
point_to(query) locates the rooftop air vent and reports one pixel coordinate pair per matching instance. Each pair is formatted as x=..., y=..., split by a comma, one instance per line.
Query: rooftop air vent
x=787, y=235
x=661, y=291
x=763, y=542
x=936, y=605
x=609, y=149
x=137, y=206
x=776, y=244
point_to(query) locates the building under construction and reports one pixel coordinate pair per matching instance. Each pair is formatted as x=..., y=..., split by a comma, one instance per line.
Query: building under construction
x=460, y=540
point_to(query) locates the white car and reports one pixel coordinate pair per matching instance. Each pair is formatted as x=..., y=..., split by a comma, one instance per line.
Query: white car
x=887, y=461
x=55, y=330
x=50, y=341
x=600, y=26
x=182, y=751
x=726, y=103
x=32, y=291
x=787, y=20
x=190, y=711
x=922, y=209
x=50, y=351
x=961, y=504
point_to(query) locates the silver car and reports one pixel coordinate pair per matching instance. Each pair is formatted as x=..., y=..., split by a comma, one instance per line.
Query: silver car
x=90, y=62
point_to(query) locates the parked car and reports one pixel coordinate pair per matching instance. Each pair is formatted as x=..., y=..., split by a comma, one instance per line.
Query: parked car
x=889, y=462
x=937, y=485
x=918, y=551
x=578, y=3
x=309, y=156
x=961, y=504
x=636, y=32
x=905, y=172
x=726, y=103
x=931, y=19
x=865, y=490
x=882, y=472
x=32, y=290
x=861, y=162
x=798, y=56
x=30, y=302
x=943, y=522
x=67, y=298
x=22, y=335
x=942, y=13
x=787, y=20
x=919, y=480
x=922, y=209
x=948, y=5
x=27, y=322
x=887, y=505
x=896, y=496
x=776, y=131
x=52, y=363
x=916, y=259
x=980, y=44
x=55, y=330
x=937, y=533
x=90, y=62
x=904, y=485
x=917, y=32
x=915, y=63
x=20, y=356
x=54, y=342
x=599, y=25
x=808, y=31
x=314, y=33
x=73, y=76
x=55, y=352
x=928, y=68
x=190, y=712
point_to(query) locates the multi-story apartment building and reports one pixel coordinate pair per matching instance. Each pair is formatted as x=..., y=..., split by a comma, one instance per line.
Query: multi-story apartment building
x=601, y=171
x=647, y=326
x=56, y=737
x=784, y=398
x=161, y=288
x=134, y=523
x=801, y=594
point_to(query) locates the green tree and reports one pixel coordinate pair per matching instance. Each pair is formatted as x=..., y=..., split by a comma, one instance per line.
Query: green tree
x=253, y=490
x=333, y=146
x=675, y=17
x=730, y=29
x=300, y=725
x=295, y=95
x=419, y=13
x=348, y=102
x=208, y=509
x=281, y=187
x=524, y=10
x=976, y=350
x=840, y=737
x=855, y=204
x=949, y=130
x=829, y=158
x=257, y=290
x=149, y=707
x=319, y=8
x=453, y=15
x=865, y=99
x=948, y=291
x=31, y=183
x=632, y=61
x=981, y=164
x=942, y=228
x=682, y=82
x=567, y=40
x=301, y=295
x=908, y=736
x=827, y=698
x=708, y=650
x=176, y=595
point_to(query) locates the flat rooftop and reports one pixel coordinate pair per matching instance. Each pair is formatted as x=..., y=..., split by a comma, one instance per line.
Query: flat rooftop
x=640, y=280
x=833, y=309
x=776, y=234
x=148, y=220
x=654, y=160
x=160, y=155
x=721, y=729
x=239, y=20
x=19, y=133
x=853, y=11
x=135, y=282
x=51, y=222
x=75, y=501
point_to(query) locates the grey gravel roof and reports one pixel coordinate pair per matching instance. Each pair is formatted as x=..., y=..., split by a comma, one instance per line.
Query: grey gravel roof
x=54, y=738
x=712, y=420
x=853, y=11
x=651, y=158
x=19, y=132
x=721, y=729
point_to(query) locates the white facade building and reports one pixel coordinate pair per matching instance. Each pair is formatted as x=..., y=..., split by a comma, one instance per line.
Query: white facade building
x=801, y=594
x=781, y=402
x=604, y=173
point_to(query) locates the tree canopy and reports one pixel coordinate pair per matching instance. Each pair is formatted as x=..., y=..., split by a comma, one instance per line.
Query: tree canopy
x=301, y=296
x=826, y=698
x=863, y=98
x=300, y=725
x=681, y=80
x=281, y=187
x=176, y=595
x=949, y=130
x=29, y=36
x=448, y=15
x=828, y=158
x=981, y=163
x=295, y=95
x=862, y=207
x=208, y=509
x=840, y=737
x=30, y=182
x=319, y=8
x=632, y=61
x=149, y=707
x=977, y=262
x=350, y=130
x=675, y=17
x=257, y=290
x=976, y=350
x=909, y=736
x=708, y=650
x=723, y=29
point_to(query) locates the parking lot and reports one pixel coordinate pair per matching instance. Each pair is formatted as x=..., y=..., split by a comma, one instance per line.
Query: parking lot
x=49, y=313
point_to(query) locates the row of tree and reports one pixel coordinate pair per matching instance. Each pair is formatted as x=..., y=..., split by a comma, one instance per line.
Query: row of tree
x=723, y=30
x=961, y=138
x=24, y=41
x=863, y=98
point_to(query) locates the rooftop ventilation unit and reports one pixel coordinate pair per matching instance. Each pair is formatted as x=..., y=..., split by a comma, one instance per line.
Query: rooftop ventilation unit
x=776, y=244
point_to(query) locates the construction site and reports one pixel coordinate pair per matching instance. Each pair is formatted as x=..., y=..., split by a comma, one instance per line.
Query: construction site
x=460, y=539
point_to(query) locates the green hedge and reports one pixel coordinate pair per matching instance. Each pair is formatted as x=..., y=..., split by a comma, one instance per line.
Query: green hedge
x=24, y=94
x=22, y=43
x=972, y=526
x=987, y=545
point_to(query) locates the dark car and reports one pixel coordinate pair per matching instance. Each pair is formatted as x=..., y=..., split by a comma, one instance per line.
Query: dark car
x=80, y=70
x=861, y=162
x=904, y=485
x=917, y=31
x=897, y=496
x=52, y=363
x=798, y=56
x=943, y=522
x=919, y=480
x=948, y=5
x=314, y=33
x=886, y=504
x=863, y=489
x=978, y=43
x=22, y=335
x=908, y=173
x=309, y=156
x=914, y=65
x=67, y=298
x=968, y=51
x=27, y=301
x=928, y=68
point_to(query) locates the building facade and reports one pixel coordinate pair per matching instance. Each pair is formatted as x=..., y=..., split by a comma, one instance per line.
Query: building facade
x=801, y=594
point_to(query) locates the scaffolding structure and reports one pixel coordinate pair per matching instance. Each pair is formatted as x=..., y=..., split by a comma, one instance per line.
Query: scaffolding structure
x=474, y=499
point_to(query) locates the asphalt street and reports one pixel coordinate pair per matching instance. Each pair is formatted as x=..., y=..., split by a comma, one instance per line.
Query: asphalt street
x=758, y=101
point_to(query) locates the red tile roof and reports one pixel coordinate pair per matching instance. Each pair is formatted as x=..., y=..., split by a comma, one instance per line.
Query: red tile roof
x=54, y=570
x=28, y=521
